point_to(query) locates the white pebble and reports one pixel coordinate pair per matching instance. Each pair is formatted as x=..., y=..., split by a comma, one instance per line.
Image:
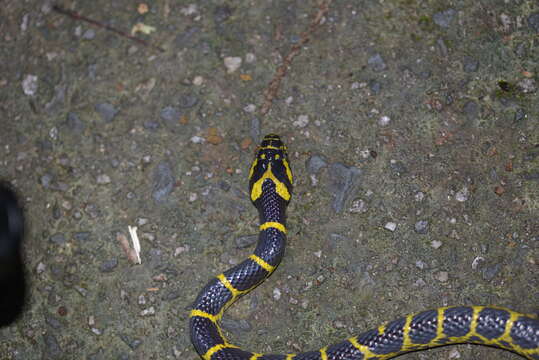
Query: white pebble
x=193, y=197
x=276, y=293
x=103, y=179
x=384, y=120
x=29, y=85
x=454, y=354
x=318, y=253
x=436, y=244
x=198, y=80
x=250, y=58
x=147, y=312
x=41, y=268
x=197, y=139
x=442, y=276
x=462, y=195
x=477, y=261
x=142, y=221
x=391, y=226
x=251, y=108
x=232, y=63
x=302, y=121
x=181, y=249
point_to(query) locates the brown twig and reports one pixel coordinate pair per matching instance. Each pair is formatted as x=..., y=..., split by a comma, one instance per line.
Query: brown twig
x=76, y=16
x=280, y=73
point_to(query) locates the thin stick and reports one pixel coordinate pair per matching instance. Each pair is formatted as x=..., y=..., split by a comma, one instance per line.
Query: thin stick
x=280, y=73
x=77, y=16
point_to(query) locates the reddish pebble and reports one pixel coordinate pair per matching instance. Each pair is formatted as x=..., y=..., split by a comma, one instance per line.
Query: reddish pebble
x=62, y=311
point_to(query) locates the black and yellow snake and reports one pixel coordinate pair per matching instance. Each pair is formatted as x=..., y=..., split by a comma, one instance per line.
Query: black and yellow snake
x=270, y=188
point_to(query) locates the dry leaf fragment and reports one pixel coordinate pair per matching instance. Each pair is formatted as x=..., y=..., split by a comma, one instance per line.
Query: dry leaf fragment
x=124, y=243
x=142, y=8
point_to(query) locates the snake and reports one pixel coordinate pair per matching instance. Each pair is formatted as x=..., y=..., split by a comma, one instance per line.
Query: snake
x=270, y=189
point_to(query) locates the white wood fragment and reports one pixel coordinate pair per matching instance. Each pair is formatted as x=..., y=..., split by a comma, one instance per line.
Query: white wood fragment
x=136, y=242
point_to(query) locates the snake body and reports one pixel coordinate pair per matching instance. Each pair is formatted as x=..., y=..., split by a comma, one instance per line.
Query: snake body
x=270, y=187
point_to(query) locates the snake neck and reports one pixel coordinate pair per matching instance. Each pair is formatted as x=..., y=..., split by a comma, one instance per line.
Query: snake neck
x=271, y=206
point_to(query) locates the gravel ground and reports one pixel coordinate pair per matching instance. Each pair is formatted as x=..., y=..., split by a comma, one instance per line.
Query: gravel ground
x=413, y=132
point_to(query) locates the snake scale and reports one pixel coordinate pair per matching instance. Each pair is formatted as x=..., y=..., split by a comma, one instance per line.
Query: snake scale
x=270, y=188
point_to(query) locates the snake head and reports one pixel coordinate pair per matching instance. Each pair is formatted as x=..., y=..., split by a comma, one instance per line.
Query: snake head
x=271, y=164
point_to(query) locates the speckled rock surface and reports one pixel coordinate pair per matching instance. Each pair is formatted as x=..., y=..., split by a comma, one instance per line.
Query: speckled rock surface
x=413, y=134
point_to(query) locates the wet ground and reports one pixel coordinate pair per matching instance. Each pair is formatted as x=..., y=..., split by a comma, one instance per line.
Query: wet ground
x=413, y=129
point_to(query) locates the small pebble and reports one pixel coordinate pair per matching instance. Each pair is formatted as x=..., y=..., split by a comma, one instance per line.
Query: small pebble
x=391, y=226
x=162, y=182
x=315, y=163
x=109, y=265
x=180, y=250
x=106, y=111
x=276, y=293
x=246, y=241
x=302, y=121
x=197, y=139
x=477, y=261
x=533, y=22
x=29, y=85
x=41, y=268
x=527, y=86
x=58, y=238
x=358, y=206
x=384, y=120
x=250, y=58
x=89, y=34
x=442, y=276
x=376, y=62
x=462, y=195
x=454, y=354
x=148, y=312
x=251, y=108
x=198, y=80
x=421, y=227
x=436, y=244
x=103, y=179
x=232, y=64
x=443, y=18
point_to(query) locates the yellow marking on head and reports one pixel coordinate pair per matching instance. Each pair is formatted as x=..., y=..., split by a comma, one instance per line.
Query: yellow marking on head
x=235, y=292
x=269, y=268
x=280, y=187
x=214, y=349
x=288, y=171
x=290, y=356
x=323, y=353
x=273, y=224
x=271, y=147
x=252, y=169
x=212, y=318
x=263, y=156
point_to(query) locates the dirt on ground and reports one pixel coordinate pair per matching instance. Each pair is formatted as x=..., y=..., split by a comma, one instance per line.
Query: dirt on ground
x=413, y=131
